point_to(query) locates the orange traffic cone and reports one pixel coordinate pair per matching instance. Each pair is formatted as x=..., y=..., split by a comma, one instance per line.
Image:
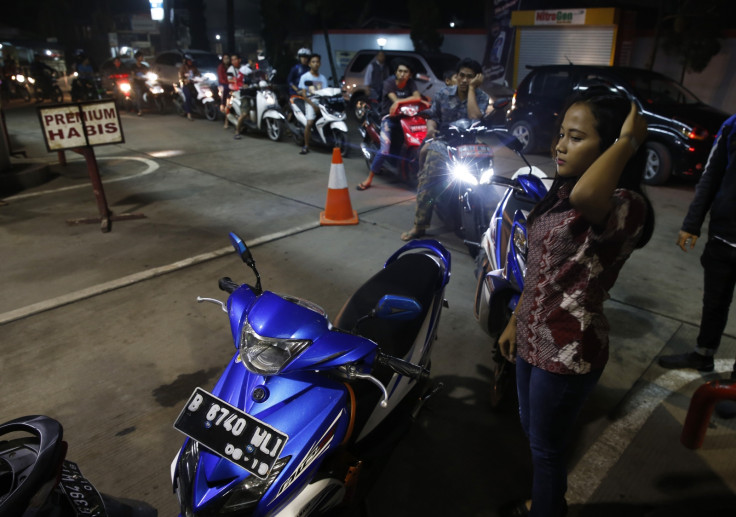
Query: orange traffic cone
x=338, y=209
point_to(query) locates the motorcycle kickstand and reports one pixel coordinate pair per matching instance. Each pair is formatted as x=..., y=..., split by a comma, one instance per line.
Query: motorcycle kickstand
x=424, y=398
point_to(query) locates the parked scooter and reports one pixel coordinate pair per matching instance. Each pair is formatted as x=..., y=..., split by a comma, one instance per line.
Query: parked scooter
x=205, y=100
x=304, y=404
x=403, y=160
x=260, y=102
x=502, y=262
x=329, y=129
x=36, y=479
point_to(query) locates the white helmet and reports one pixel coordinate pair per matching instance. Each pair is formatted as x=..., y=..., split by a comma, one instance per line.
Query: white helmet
x=303, y=52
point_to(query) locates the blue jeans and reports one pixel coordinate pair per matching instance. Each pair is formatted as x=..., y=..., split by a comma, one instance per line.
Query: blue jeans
x=549, y=404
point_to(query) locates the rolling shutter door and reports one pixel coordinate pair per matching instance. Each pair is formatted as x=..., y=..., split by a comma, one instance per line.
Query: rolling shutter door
x=554, y=46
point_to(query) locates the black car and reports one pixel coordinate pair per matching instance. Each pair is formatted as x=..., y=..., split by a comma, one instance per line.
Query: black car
x=681, y=127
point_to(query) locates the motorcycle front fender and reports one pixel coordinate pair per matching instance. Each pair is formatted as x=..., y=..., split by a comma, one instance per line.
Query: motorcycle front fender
x=273, y=113
x=339, y=126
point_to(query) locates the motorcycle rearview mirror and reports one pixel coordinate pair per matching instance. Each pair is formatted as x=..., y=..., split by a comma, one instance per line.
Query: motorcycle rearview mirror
x=246, y=256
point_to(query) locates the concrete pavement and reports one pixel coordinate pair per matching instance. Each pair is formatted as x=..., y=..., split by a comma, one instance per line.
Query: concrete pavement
x=102, y=331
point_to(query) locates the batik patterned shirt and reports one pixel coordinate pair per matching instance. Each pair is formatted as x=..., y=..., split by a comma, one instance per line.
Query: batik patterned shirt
x=561, y=327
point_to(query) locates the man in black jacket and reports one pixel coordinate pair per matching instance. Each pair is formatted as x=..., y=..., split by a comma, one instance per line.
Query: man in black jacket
x=715, y=193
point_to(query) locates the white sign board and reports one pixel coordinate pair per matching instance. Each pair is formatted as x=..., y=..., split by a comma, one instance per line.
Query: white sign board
x=82, y=124
x=560, y=17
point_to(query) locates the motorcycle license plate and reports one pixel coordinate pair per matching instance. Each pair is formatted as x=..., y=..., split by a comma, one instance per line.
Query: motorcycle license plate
x=474, y=151
x=82, y=495
x=231, y=433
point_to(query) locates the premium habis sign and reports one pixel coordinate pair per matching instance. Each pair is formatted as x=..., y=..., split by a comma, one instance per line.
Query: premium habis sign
x=83, y=124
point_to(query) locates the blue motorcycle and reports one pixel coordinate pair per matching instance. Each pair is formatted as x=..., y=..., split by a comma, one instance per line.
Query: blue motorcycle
x=501, y=263
x=305, y=406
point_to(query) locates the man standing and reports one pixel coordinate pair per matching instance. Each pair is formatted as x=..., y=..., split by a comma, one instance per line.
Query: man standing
x=310, y=82
x=715, y=193
x=375, y=74
x=140, y=69
x=401, y=86
x=463, y=100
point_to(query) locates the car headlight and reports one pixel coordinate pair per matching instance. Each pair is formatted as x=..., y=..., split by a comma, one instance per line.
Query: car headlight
x=249, y=492
x=461, y=172
x=265, y=355
x=20, y=78
x=31, y=80
x=694, y=133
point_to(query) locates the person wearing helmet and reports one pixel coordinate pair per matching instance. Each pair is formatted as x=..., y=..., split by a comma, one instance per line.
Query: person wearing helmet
x=298, y=70
x=187, y=72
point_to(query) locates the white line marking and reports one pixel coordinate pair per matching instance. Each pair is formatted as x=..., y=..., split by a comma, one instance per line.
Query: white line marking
x=600, y=457
x=151, y=166
x=125, y=281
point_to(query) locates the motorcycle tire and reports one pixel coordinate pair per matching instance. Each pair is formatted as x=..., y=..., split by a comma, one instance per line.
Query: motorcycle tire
x=503, y=381
x=274, y=129
x=158, y=103
x=339, y=139
x=210, y=111
x=56, y=95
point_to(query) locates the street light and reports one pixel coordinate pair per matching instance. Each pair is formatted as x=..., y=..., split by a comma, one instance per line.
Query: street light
x=381, y=42
x=217, y=37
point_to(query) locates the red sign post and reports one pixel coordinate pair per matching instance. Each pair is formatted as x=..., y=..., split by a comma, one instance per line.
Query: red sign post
x=79, y=127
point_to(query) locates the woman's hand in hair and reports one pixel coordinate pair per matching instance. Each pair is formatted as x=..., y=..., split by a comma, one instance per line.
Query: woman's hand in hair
x=634, y=128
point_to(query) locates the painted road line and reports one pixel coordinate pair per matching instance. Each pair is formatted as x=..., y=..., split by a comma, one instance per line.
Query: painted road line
x=602, y=455
x=151, y=166
x=125, y=281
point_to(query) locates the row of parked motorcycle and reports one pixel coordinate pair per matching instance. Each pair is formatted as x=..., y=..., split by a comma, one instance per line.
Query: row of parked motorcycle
x=307, y=409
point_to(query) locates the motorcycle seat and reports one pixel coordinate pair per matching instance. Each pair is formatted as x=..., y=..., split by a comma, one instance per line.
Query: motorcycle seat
x=412, y=275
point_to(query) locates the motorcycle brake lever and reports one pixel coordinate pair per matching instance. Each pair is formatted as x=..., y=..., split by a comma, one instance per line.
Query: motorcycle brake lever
x=213, y=300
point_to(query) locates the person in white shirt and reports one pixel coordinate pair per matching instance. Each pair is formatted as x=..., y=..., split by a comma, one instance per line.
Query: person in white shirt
x=310, y=82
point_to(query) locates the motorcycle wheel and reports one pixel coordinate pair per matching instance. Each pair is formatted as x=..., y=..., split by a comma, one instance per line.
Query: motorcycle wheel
x=210, y=111
x=503, y=381
x=25, y=94
x=56, y=95
x=158, y=103
x=339, y=139
x=274, y=129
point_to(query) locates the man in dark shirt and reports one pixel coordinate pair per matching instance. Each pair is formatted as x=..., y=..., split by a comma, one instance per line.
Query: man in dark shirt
x=396, y=88
x=715, y=193
x=375, y=74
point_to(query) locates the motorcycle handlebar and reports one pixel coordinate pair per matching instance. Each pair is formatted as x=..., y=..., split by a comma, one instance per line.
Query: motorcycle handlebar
x=226, y=284
x=402, y=367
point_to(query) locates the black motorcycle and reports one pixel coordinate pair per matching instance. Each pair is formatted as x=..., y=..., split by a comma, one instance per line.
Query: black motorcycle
x=36, y=479
x=87, y=88
x=46, y=87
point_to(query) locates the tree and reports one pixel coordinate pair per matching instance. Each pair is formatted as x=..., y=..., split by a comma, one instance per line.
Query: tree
x=691, y=32
x=425, y=18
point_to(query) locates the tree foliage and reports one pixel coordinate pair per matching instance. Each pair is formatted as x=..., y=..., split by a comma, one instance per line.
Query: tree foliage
x=692, y=32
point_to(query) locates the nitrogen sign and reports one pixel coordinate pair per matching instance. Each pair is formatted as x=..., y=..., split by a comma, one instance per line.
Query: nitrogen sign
x=83, y=124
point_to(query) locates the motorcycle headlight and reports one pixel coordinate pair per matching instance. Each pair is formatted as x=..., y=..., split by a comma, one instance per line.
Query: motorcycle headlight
x=208, y=93
x=249, y=492
x=265, y=355
x=210, y=76
x=31, y=80
x=486, y=175
x=152, y=76
x=461, y=172
x=125, y=87
x=20, y=78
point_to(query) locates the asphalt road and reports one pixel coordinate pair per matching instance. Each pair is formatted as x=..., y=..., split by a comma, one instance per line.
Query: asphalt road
x=102, y=330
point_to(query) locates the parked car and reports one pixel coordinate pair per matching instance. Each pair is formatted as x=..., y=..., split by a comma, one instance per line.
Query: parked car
x=166, y=65
x=428, y=73
x=681, y=127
